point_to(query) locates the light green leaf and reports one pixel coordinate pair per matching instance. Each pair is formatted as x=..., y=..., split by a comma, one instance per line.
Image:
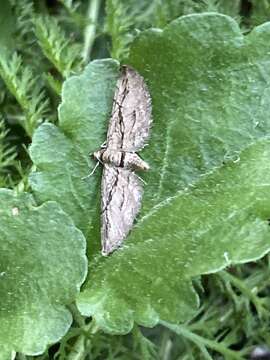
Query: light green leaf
x=42, y=265
x=206, y=200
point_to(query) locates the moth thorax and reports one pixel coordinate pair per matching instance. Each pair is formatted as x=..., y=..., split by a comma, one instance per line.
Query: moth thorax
x=112, y=157
x=118, y=158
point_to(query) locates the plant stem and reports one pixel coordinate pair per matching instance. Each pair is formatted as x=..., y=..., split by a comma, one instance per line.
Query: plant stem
x=80, y=320
x=79, y=349
x=90, y=30
x=165, y=348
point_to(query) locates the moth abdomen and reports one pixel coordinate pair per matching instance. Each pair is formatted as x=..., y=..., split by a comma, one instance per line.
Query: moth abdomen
x=134, y=162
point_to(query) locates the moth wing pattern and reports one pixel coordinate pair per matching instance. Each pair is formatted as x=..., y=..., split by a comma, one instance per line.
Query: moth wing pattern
x=120, y=203
x=130, y=121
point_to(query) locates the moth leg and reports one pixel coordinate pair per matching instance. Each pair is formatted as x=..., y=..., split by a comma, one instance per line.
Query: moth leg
x=92, y=172
x=94, y=169
x=126, y=182
x=143, y=181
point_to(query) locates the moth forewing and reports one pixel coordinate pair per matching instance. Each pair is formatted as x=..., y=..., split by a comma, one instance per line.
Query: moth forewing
x=121, y=190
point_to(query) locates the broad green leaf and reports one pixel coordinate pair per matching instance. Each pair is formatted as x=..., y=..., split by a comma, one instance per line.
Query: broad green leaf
x=219, y=222
x=42, y=265
x=205, y=201
x=210, y=95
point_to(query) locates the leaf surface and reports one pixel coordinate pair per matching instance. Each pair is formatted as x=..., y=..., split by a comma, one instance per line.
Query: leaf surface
x=206, y=200
x=63, y=154
x=42, y=265
x=220, y=221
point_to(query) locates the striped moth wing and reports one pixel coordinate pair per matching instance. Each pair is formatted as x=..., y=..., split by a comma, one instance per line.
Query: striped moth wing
x=121, y=188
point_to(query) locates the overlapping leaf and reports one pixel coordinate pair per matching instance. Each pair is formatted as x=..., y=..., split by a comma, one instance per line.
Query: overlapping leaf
x=62, y=155
x=221, y=221
x=42, y=265
x=207, y=194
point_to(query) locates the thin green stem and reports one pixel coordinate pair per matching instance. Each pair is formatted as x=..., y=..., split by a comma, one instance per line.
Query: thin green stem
x=80, y=348
x=90, y=30
x=80, y=320
x=78, y=351
x=165, y=347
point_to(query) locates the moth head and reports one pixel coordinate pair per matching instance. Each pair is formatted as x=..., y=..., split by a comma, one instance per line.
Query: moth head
x=98, y=155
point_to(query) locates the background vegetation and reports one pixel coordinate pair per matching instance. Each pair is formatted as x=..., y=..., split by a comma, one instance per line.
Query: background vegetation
x=42, y=44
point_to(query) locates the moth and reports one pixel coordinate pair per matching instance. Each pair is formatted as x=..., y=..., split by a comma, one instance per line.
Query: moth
x=121, y=188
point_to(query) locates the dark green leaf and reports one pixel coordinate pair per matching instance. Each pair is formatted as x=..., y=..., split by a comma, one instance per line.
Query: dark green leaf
x=43, y=264
x=221, y=221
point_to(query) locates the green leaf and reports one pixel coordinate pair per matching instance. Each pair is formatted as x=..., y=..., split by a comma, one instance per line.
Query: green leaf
x=43, y=264
x=62, y=155
x=219, y=222
x=206, y=200
x=210, y=96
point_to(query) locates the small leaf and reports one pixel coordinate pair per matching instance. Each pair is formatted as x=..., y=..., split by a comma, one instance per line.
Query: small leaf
x=43, y=264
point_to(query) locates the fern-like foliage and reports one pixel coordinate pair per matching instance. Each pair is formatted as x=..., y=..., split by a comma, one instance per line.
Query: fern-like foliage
x=7, y=155
x=118, y=25
x=125, y=18
x=23, y=28
x=58, y=49
x=27, y=90
x=24, y=12
x=74, y=15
